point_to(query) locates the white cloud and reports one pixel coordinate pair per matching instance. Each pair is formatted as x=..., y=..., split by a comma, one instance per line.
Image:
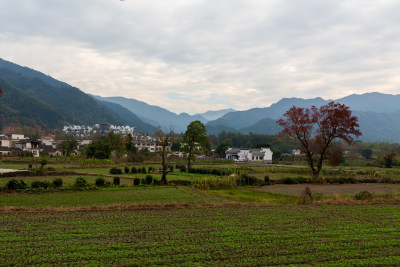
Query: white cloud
x=197, y=55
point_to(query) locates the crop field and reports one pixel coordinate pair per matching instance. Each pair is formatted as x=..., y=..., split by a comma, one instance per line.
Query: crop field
x=112, y=196
x=318, y=235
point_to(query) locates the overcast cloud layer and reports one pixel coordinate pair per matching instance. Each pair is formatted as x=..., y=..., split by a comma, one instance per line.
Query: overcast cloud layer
x=192, y=56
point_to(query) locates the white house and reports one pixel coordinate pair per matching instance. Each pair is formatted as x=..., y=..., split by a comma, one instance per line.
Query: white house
x=252, y=155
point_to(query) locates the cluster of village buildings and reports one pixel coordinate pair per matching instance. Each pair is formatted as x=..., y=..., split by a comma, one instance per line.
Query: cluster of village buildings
x=18, y=144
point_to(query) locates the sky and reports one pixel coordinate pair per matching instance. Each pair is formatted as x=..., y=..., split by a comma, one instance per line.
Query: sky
x=193, y=56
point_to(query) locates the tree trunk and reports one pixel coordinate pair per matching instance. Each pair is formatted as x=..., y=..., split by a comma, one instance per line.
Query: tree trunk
x=189, y=162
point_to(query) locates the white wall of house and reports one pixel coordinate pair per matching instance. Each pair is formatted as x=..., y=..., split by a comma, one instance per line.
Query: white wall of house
x=17, y=137
x=5, y=143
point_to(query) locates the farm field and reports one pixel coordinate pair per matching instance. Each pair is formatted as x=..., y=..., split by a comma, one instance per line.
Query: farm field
x=112, y=196
x=191, y=226
x=299, y=235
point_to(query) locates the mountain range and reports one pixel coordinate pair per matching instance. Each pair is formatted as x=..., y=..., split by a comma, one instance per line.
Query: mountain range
x=33, y=98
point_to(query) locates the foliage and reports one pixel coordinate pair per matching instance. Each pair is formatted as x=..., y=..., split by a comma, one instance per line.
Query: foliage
x=194, y=140
x=126, y=169
x=15, y=184
x=316, y=128
x=366, y=153
x=41, y=184
x=81, y=182
x=68, y=144
x=136, y=181
x=116, y=181
x=306, y=196
x=364, y=195
x=149, y=179
x=389, y=158
x=115, y=170
x=100, y=182
x=134, y=170
x=219, y=172
x=214, y=183
x=266, y=179
x=246, y=179
x=222, y=147
x=58, y=182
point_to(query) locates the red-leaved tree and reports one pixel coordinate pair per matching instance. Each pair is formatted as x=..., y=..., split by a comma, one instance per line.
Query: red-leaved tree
x=316, y=128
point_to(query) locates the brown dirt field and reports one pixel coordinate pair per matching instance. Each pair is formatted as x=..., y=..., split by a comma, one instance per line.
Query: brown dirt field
x=340, y=189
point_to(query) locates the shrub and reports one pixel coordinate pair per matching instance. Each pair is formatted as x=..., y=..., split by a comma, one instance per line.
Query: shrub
x=171, y=167
x=306, y=196
x=149, y=179
x=100, y=182
x=15, y=184
x=80, y=182
x=115, y=171
x=182, y=168
x=290, y=180
x=143, y=170
x=136, y=181
x=246, y=179
x=156, y=182
x=41, y=184
x=180, y=182
x=134, y=170
x=116, y=181
x=266, y=179
x=57, y=182
x=126, y=169
x=364, y=195
x=150, y=169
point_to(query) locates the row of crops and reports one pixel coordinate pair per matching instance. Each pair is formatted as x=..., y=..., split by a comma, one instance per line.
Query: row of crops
x=329, y=235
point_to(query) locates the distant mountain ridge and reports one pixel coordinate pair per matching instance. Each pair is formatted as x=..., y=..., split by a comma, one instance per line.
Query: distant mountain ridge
x=31, y=97
x=155, y=115
x=379, y=116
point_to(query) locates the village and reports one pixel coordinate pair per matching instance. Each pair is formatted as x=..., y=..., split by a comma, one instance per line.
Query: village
x=20, y=145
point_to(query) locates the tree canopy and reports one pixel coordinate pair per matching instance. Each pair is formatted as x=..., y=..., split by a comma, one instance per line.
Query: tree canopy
x=316, y=128
x=194, y=139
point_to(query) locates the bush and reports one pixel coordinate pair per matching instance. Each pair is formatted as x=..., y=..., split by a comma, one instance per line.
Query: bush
x=126, y=169
x=15, y=184
x=115, y=171
x=100, y=182
x=364, y=195
x=41, y=184
x=57, y=182
x=143, y=170
x=136, y=181
x=182, y=168
x=306, y=196
x=80, y=182
x=149, y=179
x=266, y=179
x=134, y=170
x=246, y=179
x=150, y=169
x=116, y=181
x=171, y=167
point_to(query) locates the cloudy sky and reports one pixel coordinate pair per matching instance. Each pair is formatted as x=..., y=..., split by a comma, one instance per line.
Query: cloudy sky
x=192, y=56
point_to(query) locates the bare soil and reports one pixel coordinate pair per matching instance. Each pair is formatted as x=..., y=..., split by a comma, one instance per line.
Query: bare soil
x=340, y=189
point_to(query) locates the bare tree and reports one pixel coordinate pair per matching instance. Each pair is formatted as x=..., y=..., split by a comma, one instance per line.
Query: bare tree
x=164, y=140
